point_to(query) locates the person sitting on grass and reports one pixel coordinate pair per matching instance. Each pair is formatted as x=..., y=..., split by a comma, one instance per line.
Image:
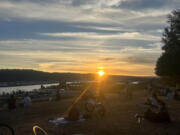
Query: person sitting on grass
x=73, y=114
x=176, y=94
x=160, y=116
x=154, y=101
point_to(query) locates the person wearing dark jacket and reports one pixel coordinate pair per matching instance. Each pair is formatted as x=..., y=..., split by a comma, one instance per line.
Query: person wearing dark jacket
x=12, y=103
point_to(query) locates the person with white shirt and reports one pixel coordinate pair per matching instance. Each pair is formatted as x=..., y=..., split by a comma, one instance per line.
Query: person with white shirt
x=27, y=101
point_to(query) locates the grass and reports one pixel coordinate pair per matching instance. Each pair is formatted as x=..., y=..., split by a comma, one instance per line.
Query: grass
x=119, y=119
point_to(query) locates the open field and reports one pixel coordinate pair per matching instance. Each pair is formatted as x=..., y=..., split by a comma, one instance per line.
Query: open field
x=119, y=119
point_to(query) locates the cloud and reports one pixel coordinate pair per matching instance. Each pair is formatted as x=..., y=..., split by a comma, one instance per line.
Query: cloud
x=142, y=60
x=93, y=35
x=55, y=11
x=148, y=4
x=105, y=28
x=98, y=11
x=45, y=46
x=108, y=59
x=76, y=46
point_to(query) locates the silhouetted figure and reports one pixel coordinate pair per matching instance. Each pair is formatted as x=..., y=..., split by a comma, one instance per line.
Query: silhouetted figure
x=58, y=95
x=73, y=114
x=128, y=92
x=42, y=87
x=170, y=94
x=156, y=102
x=62, y=85
x=150, y=88
x=162, y=116
x=12, y=103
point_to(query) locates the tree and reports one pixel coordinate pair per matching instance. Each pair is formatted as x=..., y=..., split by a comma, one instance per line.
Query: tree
x=168, y=64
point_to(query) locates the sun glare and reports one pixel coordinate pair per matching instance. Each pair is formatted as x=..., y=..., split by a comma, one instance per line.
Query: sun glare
x=101, y=73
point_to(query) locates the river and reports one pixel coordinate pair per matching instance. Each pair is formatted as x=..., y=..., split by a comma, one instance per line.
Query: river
x=23, y=88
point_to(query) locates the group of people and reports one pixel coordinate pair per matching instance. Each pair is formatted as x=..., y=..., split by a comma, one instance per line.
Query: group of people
x=156, y=110
x=92, y=106
x=12, y=102
x=160, y=114
x=172, y=93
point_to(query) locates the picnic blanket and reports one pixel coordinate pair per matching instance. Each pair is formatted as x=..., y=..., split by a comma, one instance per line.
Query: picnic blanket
x=60, y=121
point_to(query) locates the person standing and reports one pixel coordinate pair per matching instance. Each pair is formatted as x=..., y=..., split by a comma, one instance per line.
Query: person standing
x=58, y=95
x=27, y=101
x=12, y=103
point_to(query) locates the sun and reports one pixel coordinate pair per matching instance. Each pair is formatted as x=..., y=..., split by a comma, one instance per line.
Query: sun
x=101, y=73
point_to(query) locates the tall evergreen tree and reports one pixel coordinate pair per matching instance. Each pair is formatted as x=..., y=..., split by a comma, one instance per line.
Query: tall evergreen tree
x=168, y=64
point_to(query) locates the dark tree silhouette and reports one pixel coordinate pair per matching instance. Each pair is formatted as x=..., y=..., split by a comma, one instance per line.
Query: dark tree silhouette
x=168, y=64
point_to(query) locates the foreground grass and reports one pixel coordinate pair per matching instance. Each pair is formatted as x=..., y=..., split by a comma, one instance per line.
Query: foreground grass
x=119, y=119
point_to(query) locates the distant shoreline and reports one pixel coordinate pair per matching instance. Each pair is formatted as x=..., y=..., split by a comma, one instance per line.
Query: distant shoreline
x=10, y=89
x=16, y=84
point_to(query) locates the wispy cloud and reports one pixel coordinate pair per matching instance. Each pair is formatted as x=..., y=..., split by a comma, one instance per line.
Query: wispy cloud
x=105, y=28
x=127, y=35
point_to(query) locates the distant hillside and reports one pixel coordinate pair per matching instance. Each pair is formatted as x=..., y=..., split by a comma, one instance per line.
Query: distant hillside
x=13, y=75
x=27, y=75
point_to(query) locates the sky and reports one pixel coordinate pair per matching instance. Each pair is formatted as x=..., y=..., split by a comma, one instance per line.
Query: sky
x=121, y=37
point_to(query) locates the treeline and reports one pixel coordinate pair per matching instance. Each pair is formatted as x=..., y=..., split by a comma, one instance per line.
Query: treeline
x=14, y=75
x=168, y=64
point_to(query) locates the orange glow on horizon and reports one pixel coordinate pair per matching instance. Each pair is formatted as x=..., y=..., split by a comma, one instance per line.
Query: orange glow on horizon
x=130, y=70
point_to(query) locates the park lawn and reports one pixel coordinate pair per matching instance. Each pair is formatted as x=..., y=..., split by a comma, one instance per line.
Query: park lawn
x=119, y=118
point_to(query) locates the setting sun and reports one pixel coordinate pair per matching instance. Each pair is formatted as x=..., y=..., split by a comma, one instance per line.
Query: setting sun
x=101, y=73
